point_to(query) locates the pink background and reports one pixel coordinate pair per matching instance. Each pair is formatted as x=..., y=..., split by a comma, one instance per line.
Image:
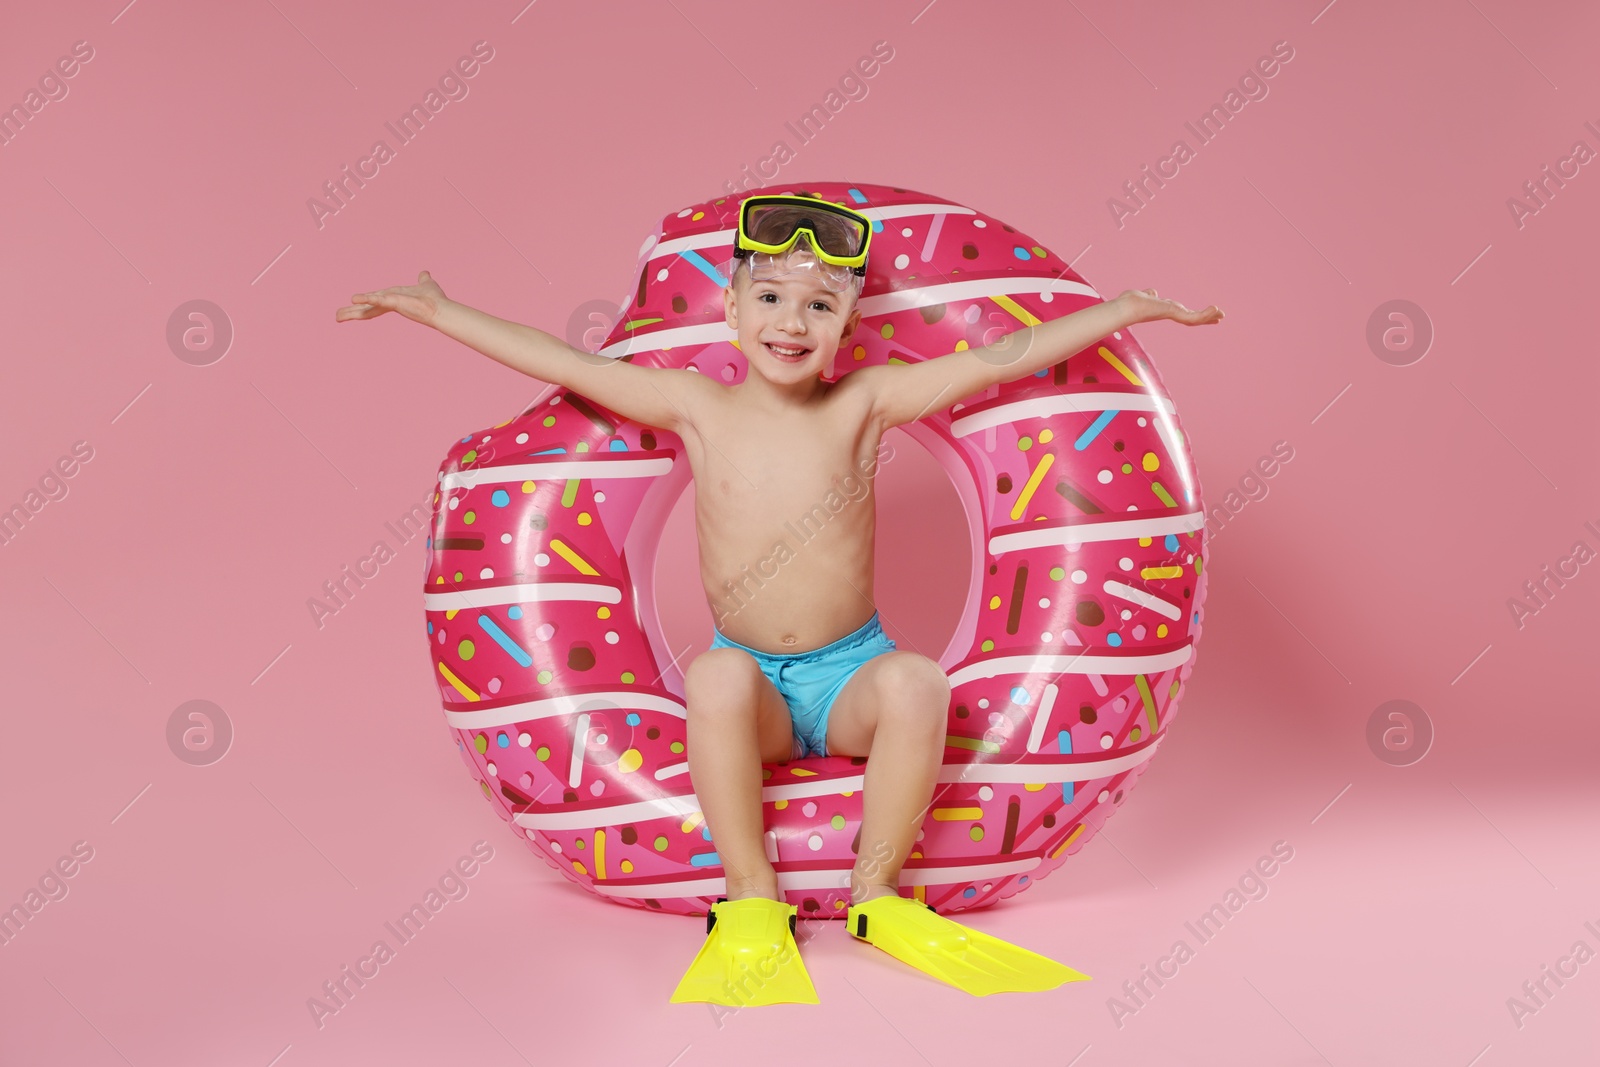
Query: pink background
x=219, y=498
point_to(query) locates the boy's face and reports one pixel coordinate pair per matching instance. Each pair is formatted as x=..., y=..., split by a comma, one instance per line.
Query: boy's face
x=789, y=327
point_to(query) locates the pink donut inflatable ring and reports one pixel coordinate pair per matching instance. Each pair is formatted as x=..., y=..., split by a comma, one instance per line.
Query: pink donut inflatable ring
x=1066, y=668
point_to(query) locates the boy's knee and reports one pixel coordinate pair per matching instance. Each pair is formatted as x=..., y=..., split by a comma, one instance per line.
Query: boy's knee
x=916, y=688
x=720, y=672
x=912, y=672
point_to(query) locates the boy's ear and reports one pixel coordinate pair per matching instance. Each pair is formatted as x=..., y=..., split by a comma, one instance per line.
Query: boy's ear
x=730, y=305
x=850, y=325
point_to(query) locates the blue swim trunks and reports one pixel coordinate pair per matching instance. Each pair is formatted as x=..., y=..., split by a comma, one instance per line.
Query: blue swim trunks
x=810, y=681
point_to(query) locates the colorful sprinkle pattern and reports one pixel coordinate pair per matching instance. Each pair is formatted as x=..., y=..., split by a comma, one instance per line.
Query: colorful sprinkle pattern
x=561, y=692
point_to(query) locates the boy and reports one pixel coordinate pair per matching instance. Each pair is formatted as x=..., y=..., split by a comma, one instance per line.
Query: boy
x=805, y=667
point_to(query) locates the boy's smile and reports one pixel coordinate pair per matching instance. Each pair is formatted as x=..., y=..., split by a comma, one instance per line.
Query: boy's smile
x=788, y=353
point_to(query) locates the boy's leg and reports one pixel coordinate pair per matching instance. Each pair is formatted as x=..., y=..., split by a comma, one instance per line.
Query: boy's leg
x=737, y=720
x=896, y=705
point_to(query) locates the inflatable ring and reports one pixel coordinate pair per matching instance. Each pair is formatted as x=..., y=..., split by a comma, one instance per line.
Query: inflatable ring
x=1066, y=668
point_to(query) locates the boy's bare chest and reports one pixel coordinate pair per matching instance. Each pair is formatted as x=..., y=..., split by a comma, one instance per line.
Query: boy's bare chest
x=760, y=469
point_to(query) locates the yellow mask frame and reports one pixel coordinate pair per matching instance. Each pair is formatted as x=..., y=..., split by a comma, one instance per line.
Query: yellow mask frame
x=843, y=244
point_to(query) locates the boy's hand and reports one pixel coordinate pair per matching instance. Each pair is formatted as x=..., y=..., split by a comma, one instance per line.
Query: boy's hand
x=419, y=303
x=1144, y=306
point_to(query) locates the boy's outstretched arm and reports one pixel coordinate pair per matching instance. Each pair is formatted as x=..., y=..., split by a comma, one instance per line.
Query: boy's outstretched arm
x=903, y=393
x=653, y=396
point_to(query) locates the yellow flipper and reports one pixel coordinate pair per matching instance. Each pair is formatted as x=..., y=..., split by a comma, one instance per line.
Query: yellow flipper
x=958, y=955
x=749, y=957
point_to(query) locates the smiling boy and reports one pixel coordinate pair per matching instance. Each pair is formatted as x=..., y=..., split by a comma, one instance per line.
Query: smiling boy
x=803, y=667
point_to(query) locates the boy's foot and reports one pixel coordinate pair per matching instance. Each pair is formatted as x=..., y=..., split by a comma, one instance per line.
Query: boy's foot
x=749, y=957
x=958, y=955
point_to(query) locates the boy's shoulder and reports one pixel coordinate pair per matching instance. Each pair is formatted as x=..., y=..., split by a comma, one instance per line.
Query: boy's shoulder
x=863, y=380
x=859, y=390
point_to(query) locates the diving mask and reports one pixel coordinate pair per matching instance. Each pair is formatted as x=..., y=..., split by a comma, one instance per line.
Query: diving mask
x=836, y=243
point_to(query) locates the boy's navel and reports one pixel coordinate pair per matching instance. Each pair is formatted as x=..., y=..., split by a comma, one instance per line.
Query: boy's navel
x=725, y=485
